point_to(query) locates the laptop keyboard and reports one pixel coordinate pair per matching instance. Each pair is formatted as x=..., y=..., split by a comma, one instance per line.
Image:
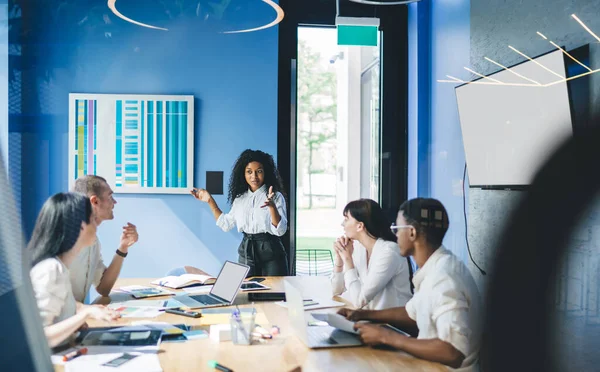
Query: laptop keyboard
x=207, y=300
x=320, y=336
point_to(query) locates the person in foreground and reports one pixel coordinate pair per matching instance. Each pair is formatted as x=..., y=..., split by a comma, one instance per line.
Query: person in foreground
x=88, y=268
x=445, y=310
x=63, y=228
x=368, y=269
x=258, y=211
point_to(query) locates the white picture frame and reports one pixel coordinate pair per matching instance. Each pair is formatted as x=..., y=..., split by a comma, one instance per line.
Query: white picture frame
x=141, y=144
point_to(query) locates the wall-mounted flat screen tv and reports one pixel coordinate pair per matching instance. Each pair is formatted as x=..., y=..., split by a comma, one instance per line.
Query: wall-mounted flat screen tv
x=513, y=121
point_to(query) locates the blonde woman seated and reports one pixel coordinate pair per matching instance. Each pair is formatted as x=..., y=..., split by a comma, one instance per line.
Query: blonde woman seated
x=64, y=226
x=368, y=268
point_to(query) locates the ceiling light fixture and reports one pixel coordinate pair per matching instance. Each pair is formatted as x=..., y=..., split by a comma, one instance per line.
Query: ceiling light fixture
x=453, y=78
x=112, y=6
x=513, y=72
x=536, y=84
x=573, y=77
x=278, y=18
x=536, y=62
x=490, y=83
x=568, y=55
x=585, y=27
x=372, y=2
x=483, y=76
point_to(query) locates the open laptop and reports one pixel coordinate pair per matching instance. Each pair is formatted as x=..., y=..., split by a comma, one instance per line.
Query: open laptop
x=224, y=290
x=314, y=337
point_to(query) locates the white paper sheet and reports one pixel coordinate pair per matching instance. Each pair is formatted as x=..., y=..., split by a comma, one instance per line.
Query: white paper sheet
x=156, y=304
x=320, y=304
x=97, y=351
x=198, y=289
x=137, y=312
x=93, y=363
x=336, y=321
x=136, y=288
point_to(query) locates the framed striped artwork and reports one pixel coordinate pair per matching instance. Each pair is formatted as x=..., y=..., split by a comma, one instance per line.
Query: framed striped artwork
x=139, y=143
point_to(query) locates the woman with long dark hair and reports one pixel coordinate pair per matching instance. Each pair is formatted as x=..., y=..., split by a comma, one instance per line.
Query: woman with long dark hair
x=64, y=226
x=258, y=210
x=368, y=269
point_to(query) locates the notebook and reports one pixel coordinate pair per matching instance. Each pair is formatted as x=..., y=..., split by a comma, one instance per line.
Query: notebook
x=138, y=291
x=133, y=336
x=185, y=280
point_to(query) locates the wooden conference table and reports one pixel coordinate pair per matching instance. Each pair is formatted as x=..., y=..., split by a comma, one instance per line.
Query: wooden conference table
x=285, y=352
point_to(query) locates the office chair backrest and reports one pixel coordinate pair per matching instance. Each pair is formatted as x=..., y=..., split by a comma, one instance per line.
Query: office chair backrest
x=314, y=262
x=22, y=338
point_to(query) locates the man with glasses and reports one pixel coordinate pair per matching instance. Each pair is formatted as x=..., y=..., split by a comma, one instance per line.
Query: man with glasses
x=445, y=311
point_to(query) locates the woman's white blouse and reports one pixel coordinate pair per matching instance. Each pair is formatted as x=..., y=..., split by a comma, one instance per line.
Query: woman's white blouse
x=52, y=288
x=246, y=213
x=383, y=284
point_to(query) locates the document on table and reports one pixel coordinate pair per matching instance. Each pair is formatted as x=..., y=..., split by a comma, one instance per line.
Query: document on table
x=140, y=291
x=95, y=353
x=94, y=363
x=199, y=289
x=137, y=312
x=336, y=321
x=167, y=328
x=316, y=304
x=143, y=308
x=223, y=315
x=157, y=304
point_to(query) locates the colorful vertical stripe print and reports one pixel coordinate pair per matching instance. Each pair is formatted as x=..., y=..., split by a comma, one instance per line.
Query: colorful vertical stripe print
x=85, y=137
x=131, y=158
x=119, y=145
x=151, y=143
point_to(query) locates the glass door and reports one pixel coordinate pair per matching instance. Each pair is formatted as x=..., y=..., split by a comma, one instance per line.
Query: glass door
x=337, y=140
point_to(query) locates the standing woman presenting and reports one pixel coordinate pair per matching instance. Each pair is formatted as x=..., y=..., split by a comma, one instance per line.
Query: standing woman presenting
x=258, y=210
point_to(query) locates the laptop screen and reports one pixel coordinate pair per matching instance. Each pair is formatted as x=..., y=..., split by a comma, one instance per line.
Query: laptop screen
x=229, y=280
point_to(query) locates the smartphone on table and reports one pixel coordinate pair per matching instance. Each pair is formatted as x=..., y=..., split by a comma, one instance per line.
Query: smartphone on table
x=120, y=360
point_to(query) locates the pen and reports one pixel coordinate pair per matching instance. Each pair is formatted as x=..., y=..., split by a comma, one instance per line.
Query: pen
x=74, y=354
x=237, y=314
x=164, y=306
x=260, y=337
x=215, y=365
x=262, y=332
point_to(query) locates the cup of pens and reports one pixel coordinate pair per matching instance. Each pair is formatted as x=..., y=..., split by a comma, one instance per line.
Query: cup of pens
x=242, y=325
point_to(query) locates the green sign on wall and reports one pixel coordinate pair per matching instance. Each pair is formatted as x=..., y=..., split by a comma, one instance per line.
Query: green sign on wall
x=357, y=35
x=357, y=31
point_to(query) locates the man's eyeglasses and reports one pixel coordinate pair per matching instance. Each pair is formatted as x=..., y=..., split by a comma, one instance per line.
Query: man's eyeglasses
x=395, y=227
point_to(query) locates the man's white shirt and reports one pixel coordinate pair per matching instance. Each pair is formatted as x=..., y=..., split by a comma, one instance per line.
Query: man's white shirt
x=446, y=305
x=86, y=270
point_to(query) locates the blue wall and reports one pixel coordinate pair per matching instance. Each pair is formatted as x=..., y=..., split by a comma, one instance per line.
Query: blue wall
x=439, y=34
x=232, y=77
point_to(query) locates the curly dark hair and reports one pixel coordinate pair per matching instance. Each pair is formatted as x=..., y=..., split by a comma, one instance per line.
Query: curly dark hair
x=237, y=181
